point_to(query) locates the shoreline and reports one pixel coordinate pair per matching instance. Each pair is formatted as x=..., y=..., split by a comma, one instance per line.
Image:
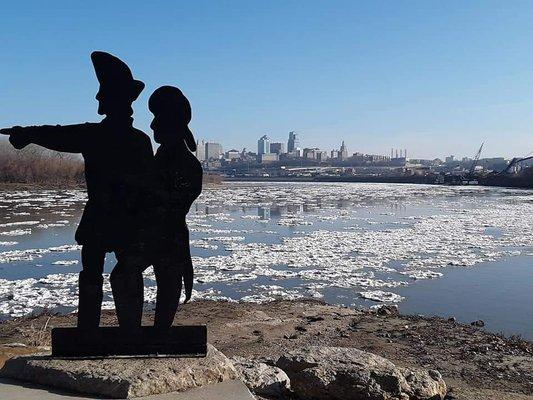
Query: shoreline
x=258, y=179
x=393, y=180
x=474, y=363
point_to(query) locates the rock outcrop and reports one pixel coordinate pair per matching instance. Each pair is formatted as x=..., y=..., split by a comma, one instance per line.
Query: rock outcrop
x=261, y=378
x=122, y=377
x=318, y=373
x=423, y=384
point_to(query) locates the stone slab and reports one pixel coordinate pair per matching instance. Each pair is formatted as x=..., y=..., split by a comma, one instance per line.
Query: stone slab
x=122, y=377
x=114, y=341
x=234, y=390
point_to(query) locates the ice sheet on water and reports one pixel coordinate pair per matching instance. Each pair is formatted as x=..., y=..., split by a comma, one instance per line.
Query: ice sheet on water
x=21, y=297
x=31, y=254
x=353, y=232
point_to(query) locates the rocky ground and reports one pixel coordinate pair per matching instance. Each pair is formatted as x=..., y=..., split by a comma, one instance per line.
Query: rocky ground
x=475, y=364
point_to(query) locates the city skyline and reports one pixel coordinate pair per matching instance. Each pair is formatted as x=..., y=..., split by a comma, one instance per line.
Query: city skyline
x=394, y=151
x=272, y=161
x=436, y=78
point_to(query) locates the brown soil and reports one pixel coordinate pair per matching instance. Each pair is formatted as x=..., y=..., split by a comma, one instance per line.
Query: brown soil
x=475, y=364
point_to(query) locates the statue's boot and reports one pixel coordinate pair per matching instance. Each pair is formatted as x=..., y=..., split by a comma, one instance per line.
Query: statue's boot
x=168, y=280
x=89, y=300
x=128, y=294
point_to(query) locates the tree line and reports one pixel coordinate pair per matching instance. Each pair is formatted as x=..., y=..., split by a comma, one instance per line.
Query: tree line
x=37, y=165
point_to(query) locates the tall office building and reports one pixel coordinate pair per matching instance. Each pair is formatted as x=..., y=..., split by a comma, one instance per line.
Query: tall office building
x=213, y=151
x=277, y=147
x=294, y=142
x=200, y=150
x=263, y=145
x=343, y=152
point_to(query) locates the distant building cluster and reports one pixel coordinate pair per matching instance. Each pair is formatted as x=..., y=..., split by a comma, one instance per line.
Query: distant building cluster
x=291, y=158
x=269, y=151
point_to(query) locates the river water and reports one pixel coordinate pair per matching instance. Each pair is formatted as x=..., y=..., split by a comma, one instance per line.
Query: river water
x=433, y=250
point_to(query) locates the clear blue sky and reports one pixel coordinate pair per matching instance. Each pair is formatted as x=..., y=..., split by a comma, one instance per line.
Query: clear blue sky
x=435, y=77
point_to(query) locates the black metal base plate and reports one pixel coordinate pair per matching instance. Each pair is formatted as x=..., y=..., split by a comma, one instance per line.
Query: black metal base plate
x=182, y=341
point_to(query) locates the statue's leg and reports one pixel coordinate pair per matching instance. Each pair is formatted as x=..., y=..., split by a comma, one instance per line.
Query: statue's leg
x=90, y=286
x=128, y=287
x=168, y=275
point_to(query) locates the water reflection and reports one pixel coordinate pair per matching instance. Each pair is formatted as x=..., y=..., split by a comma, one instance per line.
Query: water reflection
x=264, y=213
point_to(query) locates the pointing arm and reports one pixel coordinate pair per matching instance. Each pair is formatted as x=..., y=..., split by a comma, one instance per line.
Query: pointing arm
x=66, y=138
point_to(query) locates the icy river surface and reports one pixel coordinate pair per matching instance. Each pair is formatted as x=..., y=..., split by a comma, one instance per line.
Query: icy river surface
x=435, y=250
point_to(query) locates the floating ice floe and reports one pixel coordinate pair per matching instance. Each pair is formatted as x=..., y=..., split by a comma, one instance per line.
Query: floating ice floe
x=248, y=216
x=51, y=225
x=379, y=295
x=21, y=255
x=31, y=254
x=16, y=232
x=65, y=248
x=65, y=262
x=294, y=222
x=419, y=274
x=19, y=223
x=203, y=244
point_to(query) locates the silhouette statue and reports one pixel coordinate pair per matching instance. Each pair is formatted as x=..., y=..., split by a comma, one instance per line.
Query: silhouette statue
x=137, y=206
x=116, y=157
x=179, y=182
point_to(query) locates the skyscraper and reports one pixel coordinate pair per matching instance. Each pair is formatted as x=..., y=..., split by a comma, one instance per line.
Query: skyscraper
x=263, y=145
x=200, y=150
x=343, y=152
x=294, y=142
x=213, y=151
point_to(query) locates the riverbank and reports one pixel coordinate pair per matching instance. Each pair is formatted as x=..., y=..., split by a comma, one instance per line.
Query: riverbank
x=497, y=181
x=475, y=364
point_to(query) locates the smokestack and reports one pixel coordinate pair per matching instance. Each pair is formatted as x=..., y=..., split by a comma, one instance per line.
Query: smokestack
x=396, y=153
x=391, y=153
x=405, y=153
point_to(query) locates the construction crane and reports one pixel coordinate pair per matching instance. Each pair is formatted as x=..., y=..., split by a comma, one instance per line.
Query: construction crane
x=514, y=161
x=476, y=160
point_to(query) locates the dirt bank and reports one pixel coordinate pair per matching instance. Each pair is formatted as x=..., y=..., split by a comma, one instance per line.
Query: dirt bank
x=475, y=364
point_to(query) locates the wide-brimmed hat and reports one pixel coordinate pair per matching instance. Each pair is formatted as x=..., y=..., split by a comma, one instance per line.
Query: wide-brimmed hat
x=113, y=74
x=171, y=101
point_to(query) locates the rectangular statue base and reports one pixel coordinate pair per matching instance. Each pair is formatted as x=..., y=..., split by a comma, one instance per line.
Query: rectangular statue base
x=145, y=341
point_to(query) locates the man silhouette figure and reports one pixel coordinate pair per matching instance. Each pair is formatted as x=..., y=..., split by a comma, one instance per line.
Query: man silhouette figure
x=178, y=176
x=116, y=156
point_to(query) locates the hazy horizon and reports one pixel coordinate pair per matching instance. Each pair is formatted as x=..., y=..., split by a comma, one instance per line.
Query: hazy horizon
x=430, y=77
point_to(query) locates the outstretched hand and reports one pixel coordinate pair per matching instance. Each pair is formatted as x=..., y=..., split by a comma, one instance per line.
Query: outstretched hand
x=16, y=137
x=18, y=140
